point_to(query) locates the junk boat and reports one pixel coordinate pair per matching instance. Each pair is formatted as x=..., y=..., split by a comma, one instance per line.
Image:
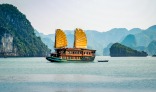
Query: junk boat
x=79, y=52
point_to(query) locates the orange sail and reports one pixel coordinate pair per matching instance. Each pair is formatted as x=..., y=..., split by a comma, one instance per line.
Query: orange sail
x=60, y=39
x=80, y=39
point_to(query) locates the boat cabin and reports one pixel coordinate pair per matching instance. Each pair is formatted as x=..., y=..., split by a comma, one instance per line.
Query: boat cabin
x=73, y=53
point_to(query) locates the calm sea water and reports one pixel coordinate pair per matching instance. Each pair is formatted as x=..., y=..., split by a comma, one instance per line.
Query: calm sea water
x=122, y=74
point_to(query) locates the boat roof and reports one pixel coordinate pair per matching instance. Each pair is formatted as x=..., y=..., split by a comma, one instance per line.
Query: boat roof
x=74, y=49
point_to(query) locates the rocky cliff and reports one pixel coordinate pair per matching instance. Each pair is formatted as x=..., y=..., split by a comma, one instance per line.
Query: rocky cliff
x=15, y=23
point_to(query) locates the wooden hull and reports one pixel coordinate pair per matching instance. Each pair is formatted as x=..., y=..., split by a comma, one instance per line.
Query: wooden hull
x=56, y=59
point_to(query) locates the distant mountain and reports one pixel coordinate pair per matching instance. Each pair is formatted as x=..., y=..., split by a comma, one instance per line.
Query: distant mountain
x=146, y=36
x=99, y=40
x=47, y=39
x=135, y=38
x=14, y=23
x=96, y=40
x=70, y=37
x=143, y=41
x=135, y=31
x=129, y=41
x=151, y=49
x=50, y=39
x=138, y=39
x=125, y=37
x=119, y=50
x=106, y=51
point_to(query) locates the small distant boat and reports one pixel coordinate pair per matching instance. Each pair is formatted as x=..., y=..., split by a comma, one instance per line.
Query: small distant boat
x=79, y=52
x=102, y=60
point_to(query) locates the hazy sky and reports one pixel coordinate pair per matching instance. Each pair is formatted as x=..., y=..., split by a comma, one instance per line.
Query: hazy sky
x=100, y=15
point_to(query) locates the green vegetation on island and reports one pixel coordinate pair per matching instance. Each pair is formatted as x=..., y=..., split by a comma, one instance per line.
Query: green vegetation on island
x=119, y=50
x=14, y=23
